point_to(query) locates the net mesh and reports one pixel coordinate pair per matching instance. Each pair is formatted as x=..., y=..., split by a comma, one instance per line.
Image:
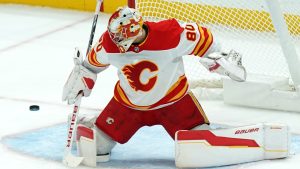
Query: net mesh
x=242, y=25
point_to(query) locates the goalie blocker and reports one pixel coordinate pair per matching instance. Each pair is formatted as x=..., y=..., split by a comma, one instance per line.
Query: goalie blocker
x=208, y=148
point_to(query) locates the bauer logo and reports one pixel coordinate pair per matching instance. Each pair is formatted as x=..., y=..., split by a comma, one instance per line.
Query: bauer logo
x=246, y=131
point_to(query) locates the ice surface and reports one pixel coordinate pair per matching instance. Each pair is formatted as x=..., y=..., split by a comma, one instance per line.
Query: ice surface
x=36, y=50
x=150, y=147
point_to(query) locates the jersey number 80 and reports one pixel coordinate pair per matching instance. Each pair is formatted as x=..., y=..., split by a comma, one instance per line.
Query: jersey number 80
x=190, y=34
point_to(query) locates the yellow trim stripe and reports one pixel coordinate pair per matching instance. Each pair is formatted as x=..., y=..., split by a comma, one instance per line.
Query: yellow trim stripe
x=199, y=107
x=276, y=151
x=92, y=58
x=201, y=41
x=119, y=93
x=123, y=96
x=207, y=45
x=180, y=94
x=125, y=100
x=208, y=145
x=83, y=5
x=109, y=6
x=175, y=84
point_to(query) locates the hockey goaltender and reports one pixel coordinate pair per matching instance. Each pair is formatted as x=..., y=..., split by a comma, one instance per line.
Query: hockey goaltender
x=153, y=90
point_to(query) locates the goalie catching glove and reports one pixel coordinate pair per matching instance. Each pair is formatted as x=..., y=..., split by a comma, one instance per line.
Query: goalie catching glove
x=81, y=80
x=229, y=64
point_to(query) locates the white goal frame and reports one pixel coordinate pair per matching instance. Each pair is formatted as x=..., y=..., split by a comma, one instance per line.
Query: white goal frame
x=273, y=92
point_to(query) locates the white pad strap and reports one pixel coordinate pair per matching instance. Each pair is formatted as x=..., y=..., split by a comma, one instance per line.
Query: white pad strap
x=208, y=148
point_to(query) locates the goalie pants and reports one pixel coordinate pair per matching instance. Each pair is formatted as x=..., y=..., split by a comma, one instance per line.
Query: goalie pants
x=121, y=122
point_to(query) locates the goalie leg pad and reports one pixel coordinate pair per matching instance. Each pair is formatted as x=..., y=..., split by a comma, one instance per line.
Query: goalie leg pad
x=208, y=148
x=93, y=145
x=86, y=145
x=276, y=141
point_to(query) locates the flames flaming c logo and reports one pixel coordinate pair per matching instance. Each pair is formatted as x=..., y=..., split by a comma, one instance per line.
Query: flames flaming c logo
x=134, y=71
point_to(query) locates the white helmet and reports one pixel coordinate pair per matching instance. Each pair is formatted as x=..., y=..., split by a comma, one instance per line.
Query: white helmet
x=124, y=26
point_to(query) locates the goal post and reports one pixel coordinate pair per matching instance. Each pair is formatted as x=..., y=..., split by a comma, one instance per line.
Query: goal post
x=288, y=48
x=265, y=32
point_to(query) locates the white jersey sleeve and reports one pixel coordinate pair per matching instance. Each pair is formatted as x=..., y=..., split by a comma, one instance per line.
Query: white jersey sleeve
x=97, y=59
x=196, y=40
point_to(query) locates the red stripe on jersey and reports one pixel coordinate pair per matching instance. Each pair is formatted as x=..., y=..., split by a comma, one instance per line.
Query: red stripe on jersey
x=205, y=38
x=214, y=140
x=177, y=91
x=200, y=41
x=207, y=42
x=92, y=58
x=121, y=97
x=204, y=43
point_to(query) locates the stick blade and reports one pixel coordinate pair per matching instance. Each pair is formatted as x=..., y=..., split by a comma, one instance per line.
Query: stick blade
x=71, y=160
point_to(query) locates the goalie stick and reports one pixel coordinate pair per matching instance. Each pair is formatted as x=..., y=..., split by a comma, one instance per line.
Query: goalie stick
x=69, y=159
x=98, y=5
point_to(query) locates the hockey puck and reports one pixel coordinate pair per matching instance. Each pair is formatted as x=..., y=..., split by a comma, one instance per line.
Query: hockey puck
x=34, y=108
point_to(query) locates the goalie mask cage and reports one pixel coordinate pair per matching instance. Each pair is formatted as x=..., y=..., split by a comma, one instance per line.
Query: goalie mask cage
x=265, y=32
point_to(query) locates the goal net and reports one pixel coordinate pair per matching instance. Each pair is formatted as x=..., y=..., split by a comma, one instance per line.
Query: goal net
x=243, y=25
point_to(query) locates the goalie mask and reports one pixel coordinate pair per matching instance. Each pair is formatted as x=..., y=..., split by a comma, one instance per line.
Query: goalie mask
x=124, y=26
